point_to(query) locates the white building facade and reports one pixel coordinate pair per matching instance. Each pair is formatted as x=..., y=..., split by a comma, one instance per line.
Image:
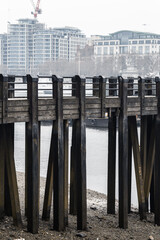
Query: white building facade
x=127, y=42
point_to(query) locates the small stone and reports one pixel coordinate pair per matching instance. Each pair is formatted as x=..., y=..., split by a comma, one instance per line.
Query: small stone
x=93, y=208
x=81, y=234
x=151, y=238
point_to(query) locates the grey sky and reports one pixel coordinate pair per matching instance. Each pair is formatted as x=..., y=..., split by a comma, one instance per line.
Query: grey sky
x=91, y=16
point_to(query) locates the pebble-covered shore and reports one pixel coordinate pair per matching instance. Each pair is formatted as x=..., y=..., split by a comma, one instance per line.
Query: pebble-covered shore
x=101, y=226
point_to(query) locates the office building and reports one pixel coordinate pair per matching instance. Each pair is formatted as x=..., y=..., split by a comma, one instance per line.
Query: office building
x=127, y=42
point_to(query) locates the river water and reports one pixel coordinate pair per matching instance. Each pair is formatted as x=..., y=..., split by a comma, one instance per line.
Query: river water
x=96, y=155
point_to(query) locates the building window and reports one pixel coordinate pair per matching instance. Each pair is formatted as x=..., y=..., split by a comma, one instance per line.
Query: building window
x=134, y=42
x=141, y=42
x=148, y=41
x=111, y=50
x=100, y=43
x=106, y=43
x=105, y=50
x=140, y=50
x=147, y=49
x=134, y=49
x=124, y=50
x=112, y=43
x=99, y=50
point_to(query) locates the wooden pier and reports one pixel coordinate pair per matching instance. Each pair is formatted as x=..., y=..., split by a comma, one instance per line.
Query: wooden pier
x=35, y=99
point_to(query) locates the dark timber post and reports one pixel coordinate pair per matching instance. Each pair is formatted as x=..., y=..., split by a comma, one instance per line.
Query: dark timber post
x=157, y=158
x=111, y=163
x=2, y=158
x=73, y=172
x=81, y=158
x=130, y=93
x=123, y=155
x=102, y=94
x=32, y=157
x=73, y=166
x=8, y=208
x=58, y=157
x=66, y=129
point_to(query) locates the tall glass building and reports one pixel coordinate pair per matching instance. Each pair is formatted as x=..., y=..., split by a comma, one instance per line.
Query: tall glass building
x=28, y=44
x=20, y=45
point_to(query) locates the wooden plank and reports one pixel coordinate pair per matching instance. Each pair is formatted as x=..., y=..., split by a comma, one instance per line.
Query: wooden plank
x=93, y=106
x=133, y=113
x=18, y=109
x=46, y=118
x=32, y=158
x=47, y=113
x=133, y=109
x=149, y=112
x=68, y=117
x=17, y=119
x=94, y=115
x=138, y=167
x=92, y=100
x=150, y=108
x=58, y=157
x=70, y=107
x=21, y=115
x=46, y=108
x=17, y=103
x=44, y=102
x=111, y=164
x=70, y=112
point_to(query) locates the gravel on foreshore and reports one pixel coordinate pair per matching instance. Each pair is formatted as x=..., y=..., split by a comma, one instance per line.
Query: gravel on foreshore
x=100, y=225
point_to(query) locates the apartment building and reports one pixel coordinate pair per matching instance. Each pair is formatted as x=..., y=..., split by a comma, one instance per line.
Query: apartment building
x=3, y=49
x=126, y=42
x=20, y=45
x=57, y=44
x=29, y=43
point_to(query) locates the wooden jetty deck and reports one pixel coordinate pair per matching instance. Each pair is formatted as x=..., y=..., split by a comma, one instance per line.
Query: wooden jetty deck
x=35, y=99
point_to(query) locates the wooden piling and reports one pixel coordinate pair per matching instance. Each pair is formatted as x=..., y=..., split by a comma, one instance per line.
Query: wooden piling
x=123, y=156
x=157, y=158
x=66, y=146
x=32, y=157
x=58, y=157
x=111, y=163
x=2, y=172
x=81, y=157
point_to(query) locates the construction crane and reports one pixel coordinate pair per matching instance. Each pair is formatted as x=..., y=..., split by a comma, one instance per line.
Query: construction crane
x=37, y=10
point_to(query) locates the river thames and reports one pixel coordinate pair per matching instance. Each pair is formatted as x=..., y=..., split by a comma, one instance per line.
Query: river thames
x=96, y=157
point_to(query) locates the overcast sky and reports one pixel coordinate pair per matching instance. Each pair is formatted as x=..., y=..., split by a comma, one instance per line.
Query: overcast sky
x=91, y=16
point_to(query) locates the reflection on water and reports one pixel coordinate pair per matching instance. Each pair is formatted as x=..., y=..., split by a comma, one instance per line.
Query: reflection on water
x=97, y=150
